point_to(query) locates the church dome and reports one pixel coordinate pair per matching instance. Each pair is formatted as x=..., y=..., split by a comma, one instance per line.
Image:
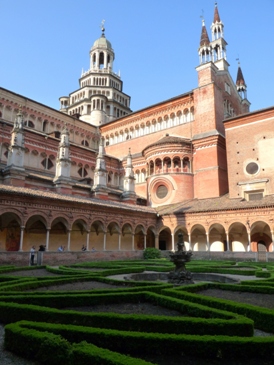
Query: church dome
x=102, y=42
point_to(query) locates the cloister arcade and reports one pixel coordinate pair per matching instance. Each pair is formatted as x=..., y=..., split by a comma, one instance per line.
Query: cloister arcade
x=238, y=237
x=72, y=234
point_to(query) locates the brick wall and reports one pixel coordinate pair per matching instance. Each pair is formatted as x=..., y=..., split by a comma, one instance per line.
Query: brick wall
x=250, y=139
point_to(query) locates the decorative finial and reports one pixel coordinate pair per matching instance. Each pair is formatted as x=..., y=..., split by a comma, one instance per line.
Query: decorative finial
x=20, y=112
x=103, y=26
x=216, y=4
x=202, y=17
x=238, y=59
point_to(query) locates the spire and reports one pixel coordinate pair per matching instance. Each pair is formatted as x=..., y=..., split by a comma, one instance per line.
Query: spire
x=63, y=162
x=216, y=18
x=100, y=172
x=129, y=194
x=240, y=83
x=218, y=43
x=204, y=49
x=204, y=35
x=14, y=173
x=17, y=145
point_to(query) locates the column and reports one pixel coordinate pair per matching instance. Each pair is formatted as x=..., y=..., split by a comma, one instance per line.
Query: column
x=69, y=232
x=172, y=242
x=111, y=110
x=21, y=238
x=145, y=241
x=156, y=241
x=87, y=242
x=190, y=165
x=105, y=59
x=227, y=242
x=47, y=239
x=119, y=241
x=248, y=247
x=272, y=241
x=97, y=59
x=132, y=241
x=207, y=241
x=189, y=240
x=105, y=240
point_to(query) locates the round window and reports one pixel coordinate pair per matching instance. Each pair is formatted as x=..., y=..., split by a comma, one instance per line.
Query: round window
x=161, y=191
x=252, y=168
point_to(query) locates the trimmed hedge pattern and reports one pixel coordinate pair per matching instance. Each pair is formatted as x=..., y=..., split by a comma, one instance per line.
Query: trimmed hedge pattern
x=205, y=326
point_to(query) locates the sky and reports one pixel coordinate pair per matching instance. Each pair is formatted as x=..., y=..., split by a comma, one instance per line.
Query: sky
x=45, y=45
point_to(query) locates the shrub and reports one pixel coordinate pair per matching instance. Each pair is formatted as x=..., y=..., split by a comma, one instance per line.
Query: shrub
x=152, y=253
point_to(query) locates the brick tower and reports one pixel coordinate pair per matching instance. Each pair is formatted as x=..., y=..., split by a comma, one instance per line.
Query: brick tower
x=217, y=97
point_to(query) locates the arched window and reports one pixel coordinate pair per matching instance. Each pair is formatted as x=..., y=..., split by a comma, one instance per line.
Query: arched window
x=137, y=176
x=143, y=175
x=82, y=172
x=101, y=60
x=167, y=164
x=47, y=163
x=158, y=166
x=29, y=123
x=85, y=143
x=186, y=164
x=45, y=126
x=176, y=163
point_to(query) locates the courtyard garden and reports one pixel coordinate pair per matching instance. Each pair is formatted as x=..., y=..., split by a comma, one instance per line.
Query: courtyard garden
x=93, y=313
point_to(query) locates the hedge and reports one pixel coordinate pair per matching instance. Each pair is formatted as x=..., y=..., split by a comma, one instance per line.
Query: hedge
x=240, y=326
x=141, y=344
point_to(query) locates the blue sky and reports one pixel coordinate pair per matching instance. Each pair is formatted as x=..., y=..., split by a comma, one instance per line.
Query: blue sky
x=45, y=44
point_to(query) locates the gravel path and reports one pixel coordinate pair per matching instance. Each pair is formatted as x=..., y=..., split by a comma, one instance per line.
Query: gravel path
x=258, y=299
x=8, y=358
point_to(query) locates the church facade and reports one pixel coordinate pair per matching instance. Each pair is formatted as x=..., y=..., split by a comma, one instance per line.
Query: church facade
x=97, y=174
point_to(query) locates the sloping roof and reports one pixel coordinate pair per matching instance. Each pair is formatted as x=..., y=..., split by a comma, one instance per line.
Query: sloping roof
x=204, y=41
x=215, y=204
x=41, y=194
x=167, y=139
x=240, y=78
x=216, y=18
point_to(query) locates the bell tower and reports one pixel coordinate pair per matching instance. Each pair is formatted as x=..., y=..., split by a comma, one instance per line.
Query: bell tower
x=218, y=43
x=100, y=97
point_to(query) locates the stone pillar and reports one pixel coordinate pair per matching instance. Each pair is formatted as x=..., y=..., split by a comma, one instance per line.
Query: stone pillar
x=145, y=241
x=105, y=59
x=21, y=238
x=132, y=241
x=105, y=240
x=87, y=242
x=189, y=240
x=248, y=246
x=172, y=242
x=69, y=233
x=47, y=239
x=272, y=242
x=227, y=242
x=119, y=241
x=207, y=241
x=156, y=241
x=97, y=60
